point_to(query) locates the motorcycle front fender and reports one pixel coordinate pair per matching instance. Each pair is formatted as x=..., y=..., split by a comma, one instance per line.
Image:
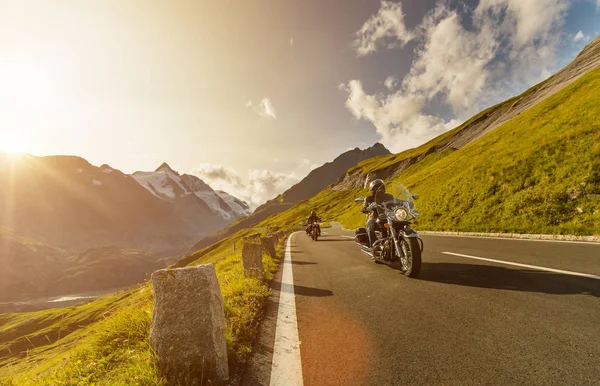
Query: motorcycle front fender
x=413, y=235
x=408, y=232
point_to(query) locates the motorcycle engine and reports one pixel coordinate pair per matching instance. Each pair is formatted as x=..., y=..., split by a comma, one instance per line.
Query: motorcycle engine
x=386, y=251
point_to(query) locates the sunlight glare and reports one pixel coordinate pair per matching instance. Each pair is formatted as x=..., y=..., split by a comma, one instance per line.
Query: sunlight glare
x=24, y=85
x=12, y=144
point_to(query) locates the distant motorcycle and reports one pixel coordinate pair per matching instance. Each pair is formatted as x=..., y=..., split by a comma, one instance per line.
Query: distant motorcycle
x=397, y=241
x=314, y=231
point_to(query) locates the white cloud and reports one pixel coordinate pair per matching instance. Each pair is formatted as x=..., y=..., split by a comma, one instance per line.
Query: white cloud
x=256, y=189
x=580, y=36
x=265, y=184
x=511, y=44
x=218, y=174
x=386, y=27
x=391, y=82
x=264, y=108
x=397, y=117
x=292, y=39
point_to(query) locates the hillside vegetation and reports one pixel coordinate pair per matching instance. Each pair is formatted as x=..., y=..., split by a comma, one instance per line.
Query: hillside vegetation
x=106, y=341
x=538, y=173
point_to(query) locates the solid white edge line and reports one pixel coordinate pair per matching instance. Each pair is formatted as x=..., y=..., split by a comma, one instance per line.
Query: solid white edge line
x=587, y=275
x=286, y=368
x=348, y=237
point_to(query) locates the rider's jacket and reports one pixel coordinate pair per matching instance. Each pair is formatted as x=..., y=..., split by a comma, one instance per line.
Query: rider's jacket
x=313, y=218
x=379, y=198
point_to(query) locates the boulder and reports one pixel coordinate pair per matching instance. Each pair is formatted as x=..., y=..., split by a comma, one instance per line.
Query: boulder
x=268, y=246
x=188, y=325
x=252, y=260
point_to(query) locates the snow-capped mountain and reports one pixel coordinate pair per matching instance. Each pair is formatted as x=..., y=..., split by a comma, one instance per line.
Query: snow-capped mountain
x=67, y=202
x=164, y=183
x=240, y=207
x=167, y=184
x=203, y=191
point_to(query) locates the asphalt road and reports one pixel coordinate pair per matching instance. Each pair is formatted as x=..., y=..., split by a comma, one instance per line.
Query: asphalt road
x=464, y=321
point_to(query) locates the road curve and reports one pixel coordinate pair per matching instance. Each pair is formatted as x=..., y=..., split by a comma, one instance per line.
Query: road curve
x=464, y=321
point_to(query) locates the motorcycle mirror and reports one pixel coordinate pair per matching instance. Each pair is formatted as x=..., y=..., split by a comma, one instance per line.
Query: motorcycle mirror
x=415, y=197
x=359, y=200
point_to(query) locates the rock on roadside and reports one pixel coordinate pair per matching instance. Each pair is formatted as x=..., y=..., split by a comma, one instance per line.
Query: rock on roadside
x=188, y=325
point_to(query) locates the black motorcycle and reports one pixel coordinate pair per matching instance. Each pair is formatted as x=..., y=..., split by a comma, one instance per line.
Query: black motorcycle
x=314, y=230
x=397, y=242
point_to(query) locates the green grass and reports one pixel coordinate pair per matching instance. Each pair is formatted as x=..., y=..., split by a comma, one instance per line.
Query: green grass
x=538, y=173
x=105, y=342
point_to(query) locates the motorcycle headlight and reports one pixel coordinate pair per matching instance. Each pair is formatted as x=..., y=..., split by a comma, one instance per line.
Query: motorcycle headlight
x=401, y=214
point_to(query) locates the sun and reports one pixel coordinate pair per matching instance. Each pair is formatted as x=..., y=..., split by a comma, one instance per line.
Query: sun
x=12, y=144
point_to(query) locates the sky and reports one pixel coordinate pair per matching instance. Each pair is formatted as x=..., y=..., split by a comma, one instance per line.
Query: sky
x=252, y=95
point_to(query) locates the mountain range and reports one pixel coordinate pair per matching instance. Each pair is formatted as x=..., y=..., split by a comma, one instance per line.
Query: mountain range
x=68, y=226
x=55, y=209
x=310, y=185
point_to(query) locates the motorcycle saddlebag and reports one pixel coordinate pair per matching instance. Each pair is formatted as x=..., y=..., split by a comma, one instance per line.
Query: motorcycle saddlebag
x=361, y=236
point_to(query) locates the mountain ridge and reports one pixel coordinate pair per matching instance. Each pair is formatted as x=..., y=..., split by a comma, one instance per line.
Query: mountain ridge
x=316, y=180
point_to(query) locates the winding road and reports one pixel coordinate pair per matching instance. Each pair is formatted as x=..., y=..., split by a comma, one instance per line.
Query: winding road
x=483, y=311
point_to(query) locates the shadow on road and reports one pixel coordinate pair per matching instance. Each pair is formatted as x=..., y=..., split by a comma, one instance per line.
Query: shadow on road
x=489, y=276
x=302, y=262
x=331, y=240
x=304, y=291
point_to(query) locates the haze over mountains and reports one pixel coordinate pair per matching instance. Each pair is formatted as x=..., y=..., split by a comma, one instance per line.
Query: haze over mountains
x=69, y=226
x=61, y=216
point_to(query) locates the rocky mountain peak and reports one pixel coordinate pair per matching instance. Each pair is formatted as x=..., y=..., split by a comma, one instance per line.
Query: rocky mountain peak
x=165, y=168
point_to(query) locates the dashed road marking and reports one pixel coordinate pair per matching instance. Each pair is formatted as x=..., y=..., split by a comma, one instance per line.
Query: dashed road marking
x=587, y=275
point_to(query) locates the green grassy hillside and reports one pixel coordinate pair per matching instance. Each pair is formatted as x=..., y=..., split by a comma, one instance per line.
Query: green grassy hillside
x=105, y=342
x=538, y=173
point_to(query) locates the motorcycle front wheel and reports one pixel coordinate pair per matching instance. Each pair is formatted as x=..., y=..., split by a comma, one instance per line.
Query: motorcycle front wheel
x=411, y=257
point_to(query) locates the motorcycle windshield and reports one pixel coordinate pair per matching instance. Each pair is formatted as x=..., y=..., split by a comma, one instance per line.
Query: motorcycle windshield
x=402, y=196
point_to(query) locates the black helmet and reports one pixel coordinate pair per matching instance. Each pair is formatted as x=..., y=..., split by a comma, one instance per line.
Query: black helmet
x=376, y=184
x=313, y=213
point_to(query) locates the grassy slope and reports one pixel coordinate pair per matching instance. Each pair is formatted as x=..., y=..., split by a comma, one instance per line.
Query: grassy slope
x=529, y=175
x=106, y=342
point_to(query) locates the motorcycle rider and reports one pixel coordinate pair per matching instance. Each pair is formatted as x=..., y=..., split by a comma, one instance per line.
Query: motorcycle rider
x=378, y=195
x=313, y=218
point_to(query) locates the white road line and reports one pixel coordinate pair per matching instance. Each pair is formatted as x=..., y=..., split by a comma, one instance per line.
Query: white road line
x=515, y=239
x=324, y=233
x=348, y=237
x=286, y=369
x=587, y=275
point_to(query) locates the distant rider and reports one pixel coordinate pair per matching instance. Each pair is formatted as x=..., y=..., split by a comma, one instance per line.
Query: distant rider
x=313, y=217
x=377, y=194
